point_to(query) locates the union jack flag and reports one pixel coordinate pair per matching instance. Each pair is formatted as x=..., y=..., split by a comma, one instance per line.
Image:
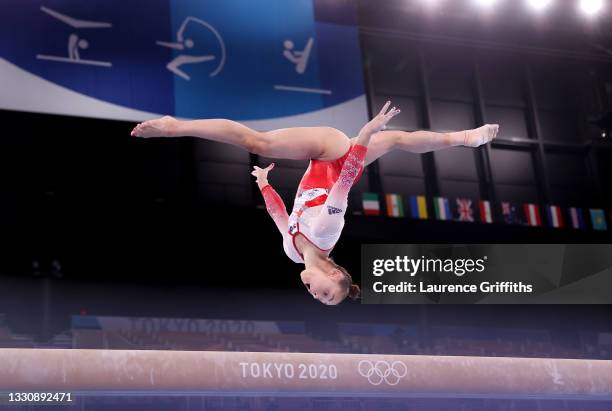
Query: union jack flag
x=464, y=210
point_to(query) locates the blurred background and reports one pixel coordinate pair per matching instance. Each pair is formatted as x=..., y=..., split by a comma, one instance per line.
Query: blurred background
x=108, y=238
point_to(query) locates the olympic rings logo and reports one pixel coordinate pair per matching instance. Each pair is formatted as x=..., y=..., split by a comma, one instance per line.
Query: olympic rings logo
x=379, y=371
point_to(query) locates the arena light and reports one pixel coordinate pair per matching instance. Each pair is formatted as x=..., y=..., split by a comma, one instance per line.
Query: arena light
x=539, y=5
x=591, y=7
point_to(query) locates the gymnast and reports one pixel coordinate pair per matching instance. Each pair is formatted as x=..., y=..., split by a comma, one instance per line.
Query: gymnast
x=336, y=163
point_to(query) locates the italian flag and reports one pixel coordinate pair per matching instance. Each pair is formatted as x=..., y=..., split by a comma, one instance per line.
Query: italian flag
x=532, y=213
x=395, y=206
x=485, y=212
x=555, y=217
x=371, y=205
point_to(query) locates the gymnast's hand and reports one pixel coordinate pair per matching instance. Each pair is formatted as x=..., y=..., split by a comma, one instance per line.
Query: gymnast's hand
x=261, y=175
x=161, y=127
x=377, y=124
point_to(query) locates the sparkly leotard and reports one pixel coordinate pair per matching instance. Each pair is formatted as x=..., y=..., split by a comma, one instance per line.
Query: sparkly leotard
x=320, y=202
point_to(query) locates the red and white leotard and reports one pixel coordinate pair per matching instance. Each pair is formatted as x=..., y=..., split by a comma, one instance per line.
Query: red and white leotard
x=320, y=202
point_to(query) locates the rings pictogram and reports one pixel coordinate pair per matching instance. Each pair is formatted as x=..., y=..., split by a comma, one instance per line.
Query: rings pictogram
x=381, y=371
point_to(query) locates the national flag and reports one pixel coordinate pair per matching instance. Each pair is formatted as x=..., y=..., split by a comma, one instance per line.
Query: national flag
x=395, y=205
x=418, y=207
x=485, y=212
x=511, y=213
x=532, y=214
x=371, y=205
x=598, y=218
x=464, y=210
x=442, y=208
x=555, y=216
x=577, y=218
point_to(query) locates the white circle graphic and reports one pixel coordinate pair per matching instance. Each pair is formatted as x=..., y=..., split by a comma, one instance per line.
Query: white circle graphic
x=382, y=371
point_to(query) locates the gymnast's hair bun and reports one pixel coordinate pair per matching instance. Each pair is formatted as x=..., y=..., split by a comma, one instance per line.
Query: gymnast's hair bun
x=354, y=292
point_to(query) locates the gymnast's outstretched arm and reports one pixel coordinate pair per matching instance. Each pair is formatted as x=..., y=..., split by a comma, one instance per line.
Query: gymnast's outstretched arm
x=274, y=203
x=426, y=141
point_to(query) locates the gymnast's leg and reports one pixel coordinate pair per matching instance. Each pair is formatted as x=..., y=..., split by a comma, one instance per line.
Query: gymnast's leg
x=426, y=141
x=299, y=143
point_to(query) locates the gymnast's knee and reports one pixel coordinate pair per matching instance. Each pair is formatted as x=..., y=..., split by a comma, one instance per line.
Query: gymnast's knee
x=258, y=143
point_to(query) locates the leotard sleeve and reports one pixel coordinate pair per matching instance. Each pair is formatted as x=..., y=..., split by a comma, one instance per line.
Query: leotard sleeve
x=332, y=215
x=276, y=208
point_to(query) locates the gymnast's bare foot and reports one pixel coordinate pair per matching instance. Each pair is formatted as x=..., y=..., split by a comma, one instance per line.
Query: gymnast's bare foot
x=161, y=127
x=481, y=135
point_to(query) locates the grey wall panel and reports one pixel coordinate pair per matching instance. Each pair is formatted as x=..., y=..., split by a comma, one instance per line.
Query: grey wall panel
x=401, y=163
x=519, y=194
x=457, y=163
x=450, y=73
x=404, y=185
x=559, y=125
x=502, y=79
x=393, y=66
x=452, y=116
x=512, y=121
x=512, y=167
x=554, y=84
x=567, y=169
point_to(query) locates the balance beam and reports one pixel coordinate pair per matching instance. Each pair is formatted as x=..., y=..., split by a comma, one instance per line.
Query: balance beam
x=300, y=374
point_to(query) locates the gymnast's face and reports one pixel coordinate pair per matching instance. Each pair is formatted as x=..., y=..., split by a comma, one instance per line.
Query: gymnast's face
x=324, y=286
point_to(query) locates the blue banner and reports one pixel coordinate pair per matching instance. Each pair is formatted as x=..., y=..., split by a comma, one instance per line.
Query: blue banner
x=240, y=59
